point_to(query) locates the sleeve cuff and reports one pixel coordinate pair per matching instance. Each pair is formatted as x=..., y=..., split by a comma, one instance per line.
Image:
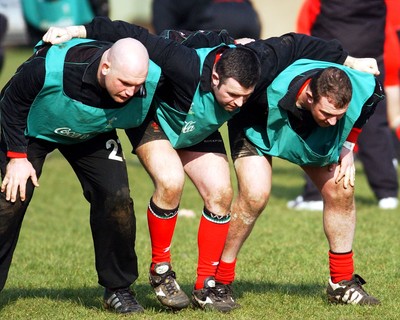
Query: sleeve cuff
x=353, y=136
x=12, y=154
x=349, y=145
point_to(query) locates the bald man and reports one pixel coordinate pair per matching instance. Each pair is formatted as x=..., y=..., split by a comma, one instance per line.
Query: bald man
x=72, y=98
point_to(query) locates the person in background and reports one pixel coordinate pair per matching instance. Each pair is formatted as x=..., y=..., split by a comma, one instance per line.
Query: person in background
x=356, y=24
x=392, y=66
x=39, y=15
x=3, y=30
x=238, y=17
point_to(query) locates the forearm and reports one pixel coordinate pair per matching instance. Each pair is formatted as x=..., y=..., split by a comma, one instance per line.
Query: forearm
x=170, y=56
x=102, y=28
x=200, y=39
x=16, y=100
x=77, y=31
x=308, y=47
x=13, y=126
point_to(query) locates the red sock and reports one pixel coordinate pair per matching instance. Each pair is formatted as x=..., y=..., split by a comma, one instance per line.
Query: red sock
x=226, y=272
x=211, y=240
x=161, y=231
x=341, y=266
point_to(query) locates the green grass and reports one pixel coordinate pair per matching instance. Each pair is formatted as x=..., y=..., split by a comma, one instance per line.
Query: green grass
x=282, y=270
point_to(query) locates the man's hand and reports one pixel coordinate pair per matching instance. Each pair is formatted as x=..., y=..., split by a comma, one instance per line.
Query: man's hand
x=346, y=169
x=368, y=65
x=57, y=35
x=17, y=174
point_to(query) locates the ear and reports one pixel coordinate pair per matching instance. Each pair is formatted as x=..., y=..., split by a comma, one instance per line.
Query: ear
x=105, y=68
x=309, y=96
x=215, y=78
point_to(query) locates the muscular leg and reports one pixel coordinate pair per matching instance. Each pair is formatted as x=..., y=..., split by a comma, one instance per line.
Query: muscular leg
x=339, y=225
x=210, y=174
x=254, y=175
x=164, y=166
x=339, y=219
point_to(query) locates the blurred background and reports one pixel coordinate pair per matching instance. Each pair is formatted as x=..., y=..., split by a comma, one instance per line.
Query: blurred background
x=276, y=17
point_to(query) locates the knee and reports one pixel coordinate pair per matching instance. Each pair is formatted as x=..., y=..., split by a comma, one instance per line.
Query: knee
x=336, y=195
x=252, y=200
x=169, y=187
x=118, y=209
x=11, y=215
x=118, y=199
x=218, y=198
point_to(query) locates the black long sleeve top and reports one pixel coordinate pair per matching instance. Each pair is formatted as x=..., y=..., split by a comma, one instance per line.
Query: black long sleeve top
x=80, y=83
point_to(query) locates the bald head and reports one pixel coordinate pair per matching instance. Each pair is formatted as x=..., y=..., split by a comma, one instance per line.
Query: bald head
x=125, y=64
x=130, y=57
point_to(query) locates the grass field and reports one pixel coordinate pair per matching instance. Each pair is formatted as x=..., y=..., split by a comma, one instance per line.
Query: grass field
x=281, y=274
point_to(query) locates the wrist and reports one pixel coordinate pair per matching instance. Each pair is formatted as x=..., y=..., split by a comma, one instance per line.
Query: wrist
x=349, y=145
x=17, y=155
x=77, y=31
x=349, y=62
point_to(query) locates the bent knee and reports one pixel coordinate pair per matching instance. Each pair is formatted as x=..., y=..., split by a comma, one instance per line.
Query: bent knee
x=253, y=201
x=336, y=193
x=218, y=200
x=170, y=189
x=117, y=198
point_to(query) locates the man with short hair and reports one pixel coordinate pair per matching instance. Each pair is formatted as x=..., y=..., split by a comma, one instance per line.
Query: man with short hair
x=71, y=97
x=315, y=111
x=356, y=25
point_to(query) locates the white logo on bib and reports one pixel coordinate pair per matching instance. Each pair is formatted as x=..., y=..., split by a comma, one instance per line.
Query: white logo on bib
x=188, y=127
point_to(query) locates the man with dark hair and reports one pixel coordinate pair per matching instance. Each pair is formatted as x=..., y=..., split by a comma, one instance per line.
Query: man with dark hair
x=356, y=25
x=333, y=84
x=313, y=109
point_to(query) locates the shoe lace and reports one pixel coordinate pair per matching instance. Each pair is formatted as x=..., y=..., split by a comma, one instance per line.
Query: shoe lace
x=126, y=297
x=223, y=290
x=216, y=294
x=356, y=284
x=169, y=283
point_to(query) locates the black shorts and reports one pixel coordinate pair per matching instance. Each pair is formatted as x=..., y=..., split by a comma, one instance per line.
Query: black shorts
x=240, y=146
x=150, y=131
